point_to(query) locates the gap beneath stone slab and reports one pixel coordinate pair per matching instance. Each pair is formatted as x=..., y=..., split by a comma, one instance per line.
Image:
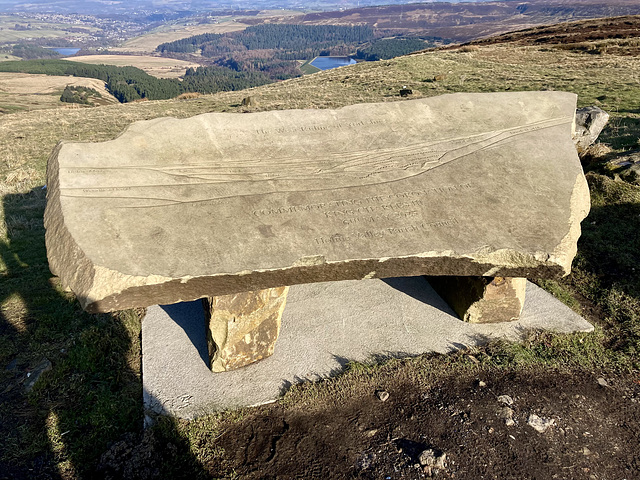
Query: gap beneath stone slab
x=324, y=326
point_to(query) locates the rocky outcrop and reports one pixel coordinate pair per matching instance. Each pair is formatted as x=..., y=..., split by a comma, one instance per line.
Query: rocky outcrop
x=589, y=123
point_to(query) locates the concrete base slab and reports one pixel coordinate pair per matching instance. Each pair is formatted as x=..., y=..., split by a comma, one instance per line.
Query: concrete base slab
x=324, y=326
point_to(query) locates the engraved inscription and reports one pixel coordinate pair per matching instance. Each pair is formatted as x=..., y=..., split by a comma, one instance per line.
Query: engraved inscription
x=365, y=204
x=386, y=232
x=318, y=128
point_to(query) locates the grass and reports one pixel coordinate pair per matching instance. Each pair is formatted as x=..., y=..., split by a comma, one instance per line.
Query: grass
x=21, y=91
x=91, y=398
x=308, y=69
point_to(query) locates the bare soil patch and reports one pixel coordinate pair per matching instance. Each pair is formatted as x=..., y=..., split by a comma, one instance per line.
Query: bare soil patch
x=594, y=432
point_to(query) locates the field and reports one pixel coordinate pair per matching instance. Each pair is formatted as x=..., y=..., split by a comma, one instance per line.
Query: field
x=157, y=66
x=38, y=29
x=147, y=43
x=83, y=419
x=5, y=57
x=21, y=91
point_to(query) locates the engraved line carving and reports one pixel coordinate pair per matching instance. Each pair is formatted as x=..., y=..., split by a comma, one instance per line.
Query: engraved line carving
x=335, y=171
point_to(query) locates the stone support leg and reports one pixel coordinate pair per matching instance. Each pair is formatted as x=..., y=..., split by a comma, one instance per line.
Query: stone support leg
x=482, y=299
x=243, y=328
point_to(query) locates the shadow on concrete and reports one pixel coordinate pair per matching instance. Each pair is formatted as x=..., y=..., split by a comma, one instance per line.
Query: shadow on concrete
x=190, y=317
x=419, y=289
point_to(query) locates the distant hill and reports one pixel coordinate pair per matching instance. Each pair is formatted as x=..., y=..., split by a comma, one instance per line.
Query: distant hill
x=463, y=22
x=585, y=35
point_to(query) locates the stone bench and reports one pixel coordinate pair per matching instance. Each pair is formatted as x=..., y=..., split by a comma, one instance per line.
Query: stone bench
x=477, y=191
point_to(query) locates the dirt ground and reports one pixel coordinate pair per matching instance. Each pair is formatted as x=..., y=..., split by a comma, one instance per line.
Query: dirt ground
x=593, y=433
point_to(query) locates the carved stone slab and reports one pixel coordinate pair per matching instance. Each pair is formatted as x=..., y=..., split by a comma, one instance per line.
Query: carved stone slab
x=174, y=210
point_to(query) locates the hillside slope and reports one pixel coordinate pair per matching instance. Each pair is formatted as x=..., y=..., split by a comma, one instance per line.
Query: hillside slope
x=84, y=418
x=464, y=21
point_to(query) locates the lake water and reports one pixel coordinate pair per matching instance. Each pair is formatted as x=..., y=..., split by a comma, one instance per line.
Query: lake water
x=327, y=63
x=66, y=51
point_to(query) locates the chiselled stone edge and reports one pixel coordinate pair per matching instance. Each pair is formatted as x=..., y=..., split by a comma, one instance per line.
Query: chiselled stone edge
x=62, y=250
x=138, y=291
x=567, y=249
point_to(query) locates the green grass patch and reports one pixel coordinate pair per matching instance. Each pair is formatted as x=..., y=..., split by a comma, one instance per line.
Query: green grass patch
x=308, y=69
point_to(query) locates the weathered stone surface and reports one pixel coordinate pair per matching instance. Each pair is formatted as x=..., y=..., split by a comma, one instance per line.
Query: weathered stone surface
x=627, y=166
x=172, y=210
x=243, y=327
x=482, y=299
x=589, y=123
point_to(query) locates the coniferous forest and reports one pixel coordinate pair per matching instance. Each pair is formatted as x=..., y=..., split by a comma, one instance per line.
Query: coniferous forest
x=272, y=49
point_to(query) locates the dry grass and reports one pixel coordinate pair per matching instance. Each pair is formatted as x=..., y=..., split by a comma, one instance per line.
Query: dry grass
x=157, y=66
x=22, y=91
x=147, y=43
x=608, y=81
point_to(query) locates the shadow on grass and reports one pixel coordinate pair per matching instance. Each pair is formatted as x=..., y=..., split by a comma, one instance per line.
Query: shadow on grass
x=91, y=398
x=607, y=268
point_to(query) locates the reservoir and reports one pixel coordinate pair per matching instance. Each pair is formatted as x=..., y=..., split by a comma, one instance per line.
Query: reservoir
x=66, y=51
x=327, y=63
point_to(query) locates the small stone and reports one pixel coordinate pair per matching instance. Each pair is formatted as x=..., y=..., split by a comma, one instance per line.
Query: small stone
x=491, y=430
x=249, y=102
x=371, y=433
x=602, y=382
x=365, y=460
x=427, y=458
x=540, y=424
x=506, y=414
x=482, y=384
x=506, y=399
x=586, y=452
x=382, y=395
x=34, y=376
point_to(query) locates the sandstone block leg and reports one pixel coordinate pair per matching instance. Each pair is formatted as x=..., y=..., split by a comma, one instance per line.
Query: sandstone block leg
x=242, y=328
x=482, y=299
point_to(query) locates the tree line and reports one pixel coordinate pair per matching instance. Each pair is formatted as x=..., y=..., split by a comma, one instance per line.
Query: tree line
x=296, y=42
x=391, y=47
x=130, y=83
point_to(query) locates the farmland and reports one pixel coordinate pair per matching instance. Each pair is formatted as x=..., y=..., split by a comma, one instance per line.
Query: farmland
x=159, y=67
x=147, y=43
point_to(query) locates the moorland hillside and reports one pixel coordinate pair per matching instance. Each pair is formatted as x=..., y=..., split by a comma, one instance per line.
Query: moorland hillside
x=83, y=417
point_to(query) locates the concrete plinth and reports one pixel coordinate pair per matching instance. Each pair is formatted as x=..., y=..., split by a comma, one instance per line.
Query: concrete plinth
x=324, y=326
